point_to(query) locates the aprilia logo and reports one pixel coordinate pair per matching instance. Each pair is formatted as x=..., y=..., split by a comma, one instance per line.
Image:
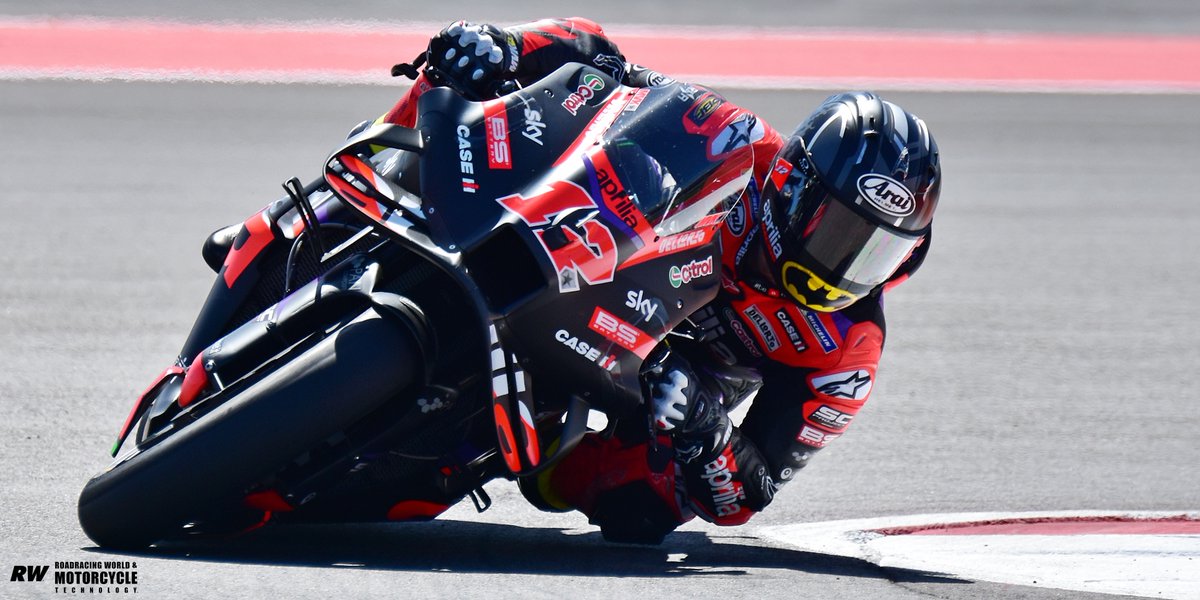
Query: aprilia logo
x=726, y=493
x=772, y=235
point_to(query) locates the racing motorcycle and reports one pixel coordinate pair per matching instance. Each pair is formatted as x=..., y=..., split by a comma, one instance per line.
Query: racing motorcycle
x=445, y=306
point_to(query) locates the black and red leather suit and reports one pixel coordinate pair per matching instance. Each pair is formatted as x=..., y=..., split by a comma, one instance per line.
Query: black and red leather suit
x=812, y=371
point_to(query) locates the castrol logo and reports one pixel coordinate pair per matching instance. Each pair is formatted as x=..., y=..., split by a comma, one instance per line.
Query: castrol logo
x=887, y=194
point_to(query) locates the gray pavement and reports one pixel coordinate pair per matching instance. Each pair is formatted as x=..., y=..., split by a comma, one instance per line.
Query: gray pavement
x=1044, y=358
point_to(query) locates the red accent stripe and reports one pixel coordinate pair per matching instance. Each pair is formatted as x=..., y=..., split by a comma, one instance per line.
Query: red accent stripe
x=415, y=510
x=137, y=406
x=508, y=442
x=133, y=48
x=1058, y=526
x=267, y=500
x=241, y=256
x=194, y=381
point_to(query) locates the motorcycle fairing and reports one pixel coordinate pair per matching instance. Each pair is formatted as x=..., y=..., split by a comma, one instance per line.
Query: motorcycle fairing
x=589, y=238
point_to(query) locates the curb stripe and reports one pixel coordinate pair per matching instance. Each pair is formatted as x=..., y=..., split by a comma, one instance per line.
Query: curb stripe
x=735, y=57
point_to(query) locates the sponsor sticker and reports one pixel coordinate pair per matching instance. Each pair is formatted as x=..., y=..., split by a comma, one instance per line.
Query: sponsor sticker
x=605, y=361
x=850, y=385
x=830, y=418
x=887, y=194
x=588, y=86
x=534, y=124
x=789, y=328
x=726, y=492
x=465, y=157
x=682, y=241
x=815, y=437
x=765, y=330
x=774, y=242
x=780, y=172
x=613, y=64
x=735, y=221
x=681, y=275
x=819, y=330
x=619, y=205
x=742, y=335
x=704, y=108
x=645, y=306
x=741, y=132
x=495, y=127
x=636, y=100
x=621, y=333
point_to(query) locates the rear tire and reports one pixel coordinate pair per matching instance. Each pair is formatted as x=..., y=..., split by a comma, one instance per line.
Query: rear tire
x=206, y=467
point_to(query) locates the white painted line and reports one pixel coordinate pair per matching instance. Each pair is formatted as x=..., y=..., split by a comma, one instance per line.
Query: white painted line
x=1158, y=566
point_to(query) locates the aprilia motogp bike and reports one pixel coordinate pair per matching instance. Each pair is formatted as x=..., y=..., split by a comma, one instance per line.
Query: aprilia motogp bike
x=444, y=307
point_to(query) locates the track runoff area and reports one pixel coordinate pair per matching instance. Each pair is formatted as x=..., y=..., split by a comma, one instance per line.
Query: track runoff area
x=1147, y=554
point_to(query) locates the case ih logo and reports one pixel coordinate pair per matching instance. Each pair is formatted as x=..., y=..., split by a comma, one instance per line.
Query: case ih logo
x=465, y=166
x=495, y=127
x=690, y=271
x=887, y=194
x=586, y=91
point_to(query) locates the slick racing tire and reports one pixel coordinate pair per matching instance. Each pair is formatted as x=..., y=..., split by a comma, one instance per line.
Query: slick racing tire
x=207, y=466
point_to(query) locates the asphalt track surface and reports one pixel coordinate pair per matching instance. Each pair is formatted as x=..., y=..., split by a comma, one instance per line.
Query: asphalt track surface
x=1044, y=358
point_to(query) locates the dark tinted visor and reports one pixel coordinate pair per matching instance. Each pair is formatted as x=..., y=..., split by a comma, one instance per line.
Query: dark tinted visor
x=853, y=251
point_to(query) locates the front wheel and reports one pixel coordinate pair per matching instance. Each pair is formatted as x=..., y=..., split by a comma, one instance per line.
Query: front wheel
x=206, y=467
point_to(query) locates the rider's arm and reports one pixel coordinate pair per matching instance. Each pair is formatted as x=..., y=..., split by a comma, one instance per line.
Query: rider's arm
x=539, y=48
x=795, y=414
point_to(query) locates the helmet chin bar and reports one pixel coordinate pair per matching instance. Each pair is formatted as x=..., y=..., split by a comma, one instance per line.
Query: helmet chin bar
x=813, y=292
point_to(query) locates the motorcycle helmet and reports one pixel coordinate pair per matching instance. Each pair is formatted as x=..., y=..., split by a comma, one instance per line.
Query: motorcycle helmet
x=849, y=202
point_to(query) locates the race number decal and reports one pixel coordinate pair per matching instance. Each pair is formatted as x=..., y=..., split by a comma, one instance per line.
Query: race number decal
x=590, y=251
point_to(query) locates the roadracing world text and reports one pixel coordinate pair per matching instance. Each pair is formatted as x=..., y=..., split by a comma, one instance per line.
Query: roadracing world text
x=81, y=577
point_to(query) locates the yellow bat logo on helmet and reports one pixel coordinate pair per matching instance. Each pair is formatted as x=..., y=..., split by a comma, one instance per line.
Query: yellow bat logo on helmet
x=814, y=293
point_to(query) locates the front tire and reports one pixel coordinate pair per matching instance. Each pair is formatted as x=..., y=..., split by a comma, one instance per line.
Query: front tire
x=206, y=467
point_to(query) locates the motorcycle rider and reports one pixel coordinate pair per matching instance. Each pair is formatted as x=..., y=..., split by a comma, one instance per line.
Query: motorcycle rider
x=834, y=215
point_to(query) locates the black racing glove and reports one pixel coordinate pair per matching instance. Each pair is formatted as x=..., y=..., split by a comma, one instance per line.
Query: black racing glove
x=477, y=61
x=685, y=406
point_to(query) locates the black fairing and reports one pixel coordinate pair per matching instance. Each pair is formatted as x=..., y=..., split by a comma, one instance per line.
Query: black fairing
x=563, y=240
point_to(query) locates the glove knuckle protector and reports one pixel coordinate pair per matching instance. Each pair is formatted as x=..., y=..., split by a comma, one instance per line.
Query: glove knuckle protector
x=684, y=405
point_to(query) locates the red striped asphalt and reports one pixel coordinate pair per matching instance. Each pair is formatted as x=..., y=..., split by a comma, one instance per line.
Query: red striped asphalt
x=1065, y=526
x=140, y=49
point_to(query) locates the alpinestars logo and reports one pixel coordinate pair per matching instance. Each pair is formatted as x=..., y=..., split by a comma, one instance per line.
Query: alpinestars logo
x=852, y=385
